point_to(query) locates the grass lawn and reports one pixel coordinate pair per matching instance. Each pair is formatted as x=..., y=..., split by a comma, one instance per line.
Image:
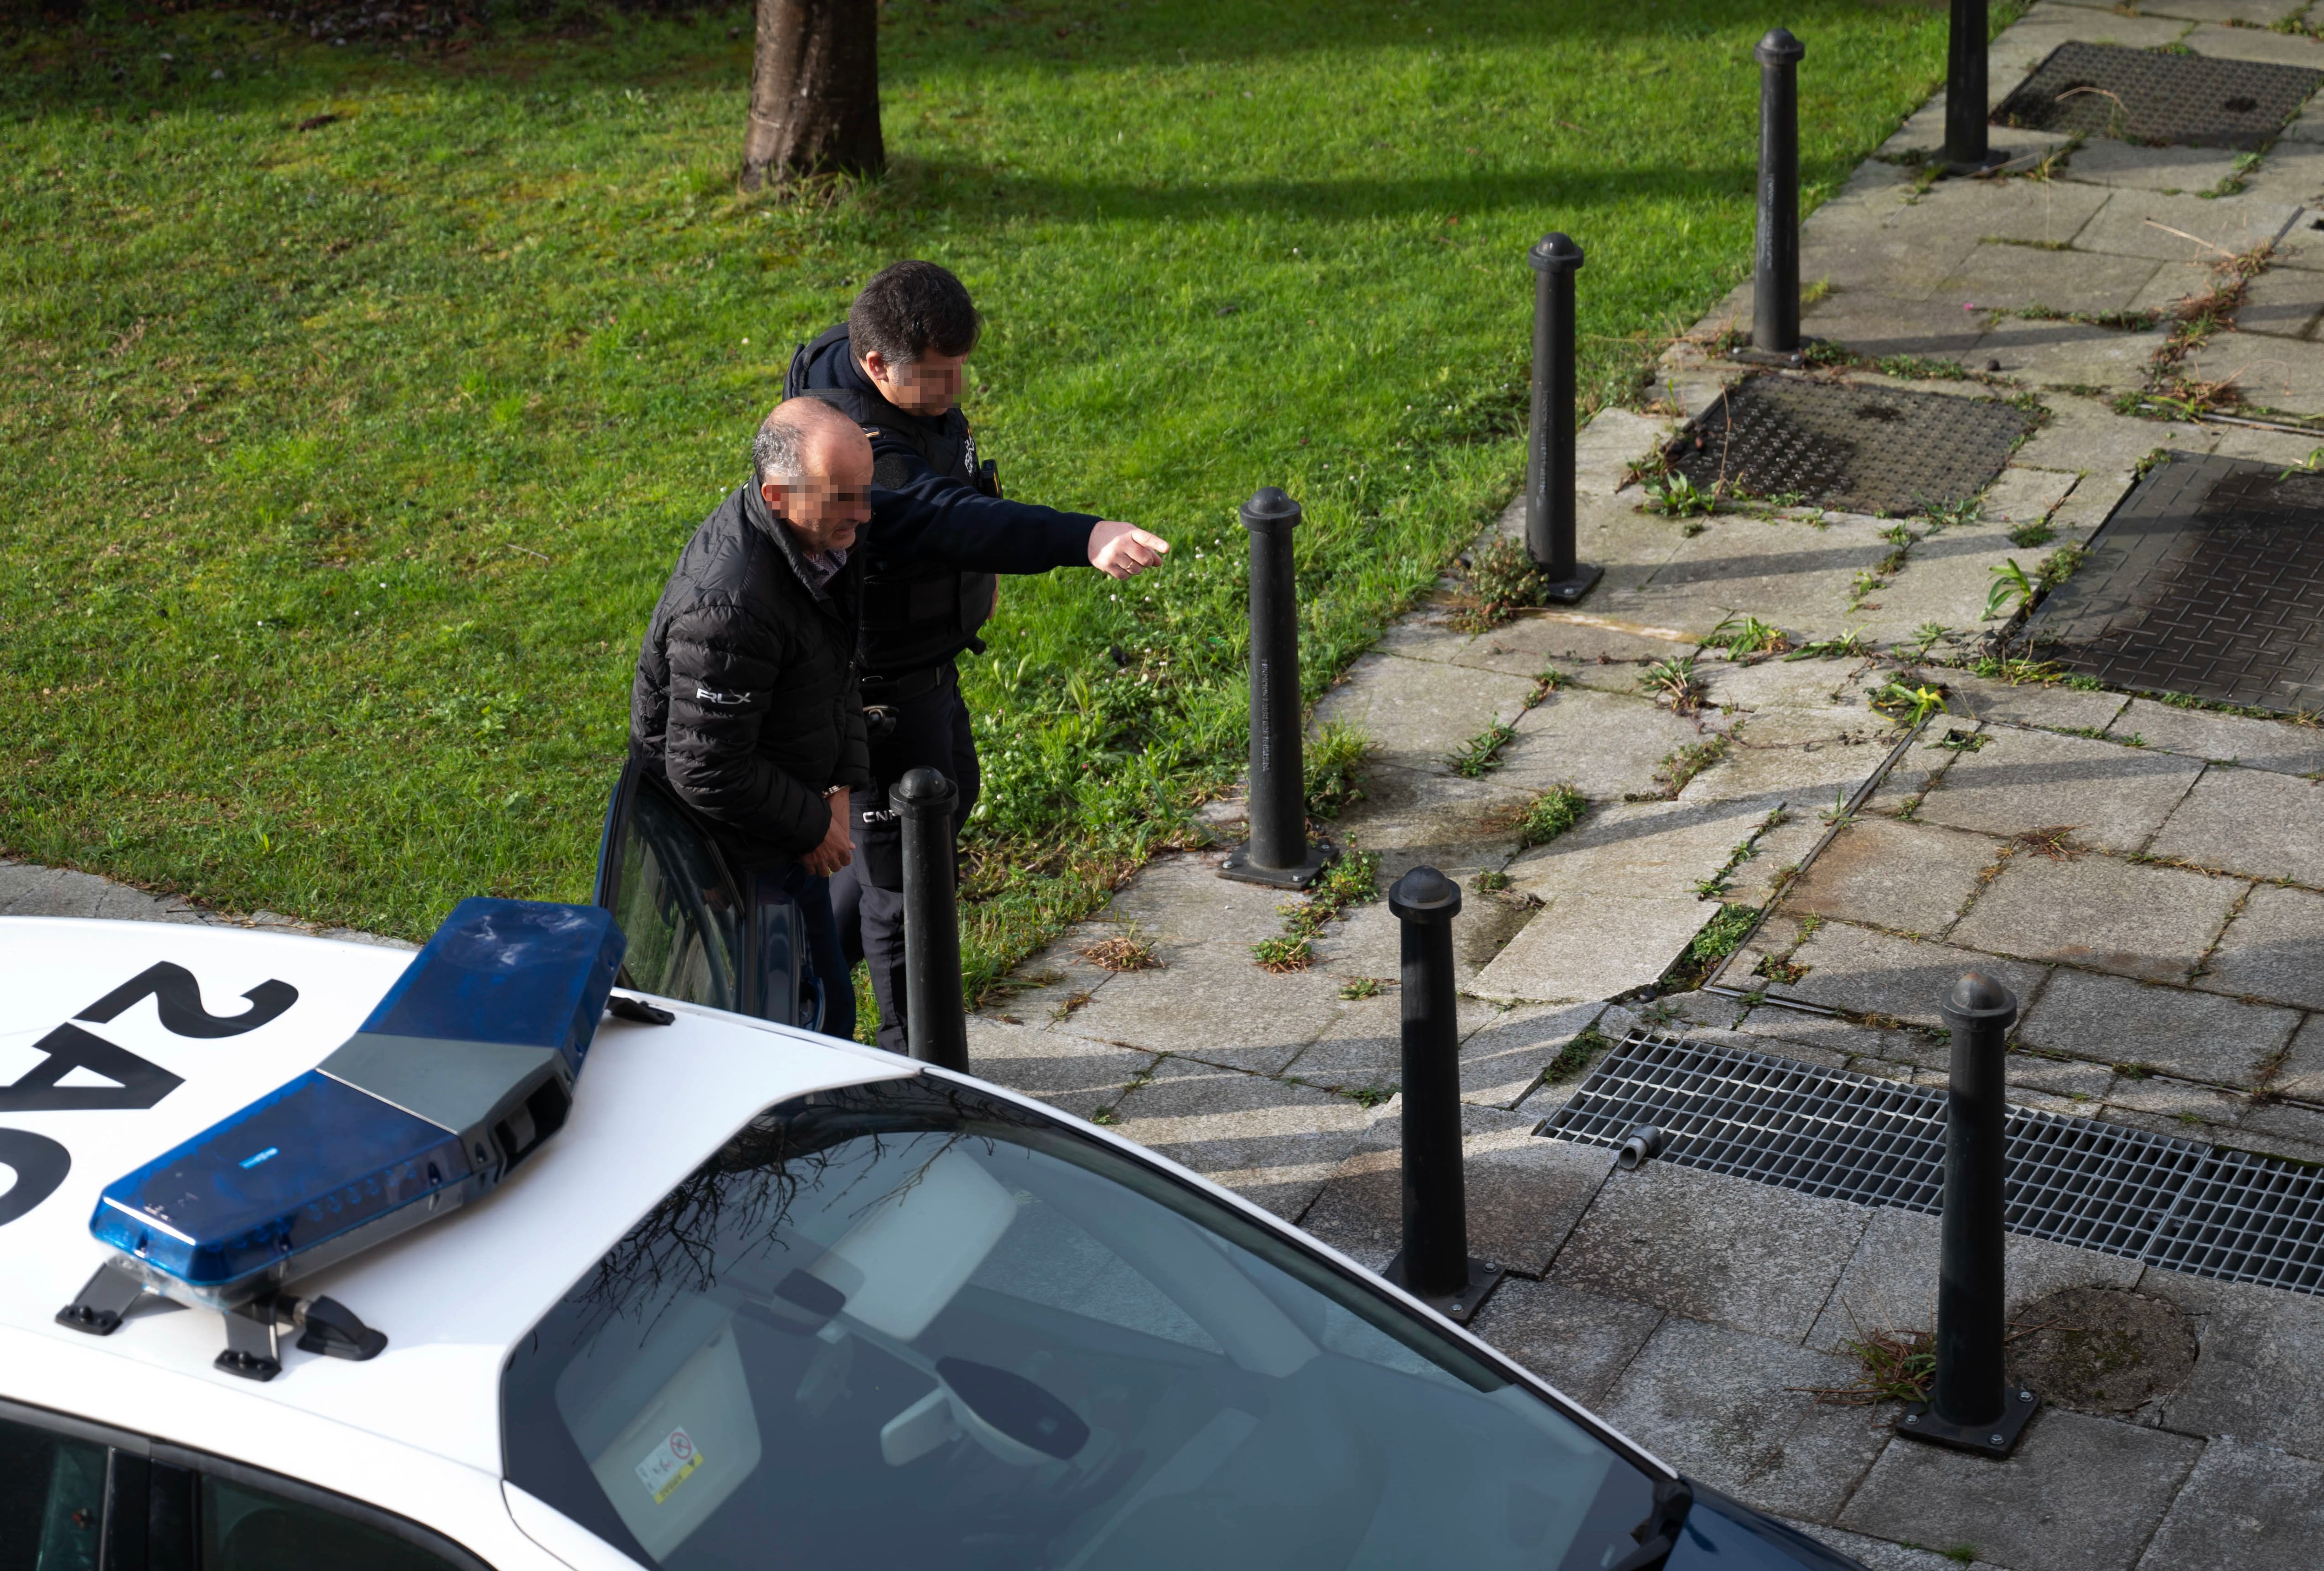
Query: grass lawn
x=342, y=466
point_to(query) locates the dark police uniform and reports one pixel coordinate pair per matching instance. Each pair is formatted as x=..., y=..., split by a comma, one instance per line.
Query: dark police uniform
x=939, y=532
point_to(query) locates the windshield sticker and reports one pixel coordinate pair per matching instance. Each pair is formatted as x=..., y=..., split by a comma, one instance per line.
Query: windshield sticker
x=667, y=1466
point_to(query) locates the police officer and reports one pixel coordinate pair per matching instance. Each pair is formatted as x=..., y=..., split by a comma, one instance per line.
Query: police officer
x=940, y=532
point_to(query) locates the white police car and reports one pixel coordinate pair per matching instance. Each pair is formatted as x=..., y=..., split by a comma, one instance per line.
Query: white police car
x=317, y=1255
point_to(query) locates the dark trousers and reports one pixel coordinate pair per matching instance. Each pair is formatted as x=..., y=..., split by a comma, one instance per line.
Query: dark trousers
x=932, y=731
x=796, y=904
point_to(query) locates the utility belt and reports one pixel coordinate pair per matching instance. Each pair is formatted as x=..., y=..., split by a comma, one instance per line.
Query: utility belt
x=883, y=697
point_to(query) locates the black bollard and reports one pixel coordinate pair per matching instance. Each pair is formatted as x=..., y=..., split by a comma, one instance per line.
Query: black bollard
x=1971, y=1407
x=935, y=1022
x=1549, y=445
x=1278, y=854
x=1776, y=273
x=1966, y=151
x=1434, y=1265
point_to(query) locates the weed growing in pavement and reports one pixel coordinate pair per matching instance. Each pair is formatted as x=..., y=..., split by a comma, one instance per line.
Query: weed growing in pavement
x=1958, y=513
x=1334, y=767
x=1899, y=1366
x=1748, y=635
x=1678, y=768
x=2013, y=590
x=1283, y=953
x=1481, y=752
x=1907, y=705
x=2027, y=536
x=1922, y=368
x=1577, y=1055
x=1673, y=684
x=1719, y=938
x=1848, y=645
x=1959, y=741
x=1675, y=496
x=2055, y=841
x=1550, y=815
x=1362, y=987
x=2017, y=671
x=1502, y=580
x=1492, y=881
x=1124, y=952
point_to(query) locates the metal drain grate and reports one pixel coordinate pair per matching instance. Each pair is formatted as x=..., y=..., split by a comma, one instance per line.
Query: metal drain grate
x=2209, y=581
x=1860, y=449
x=2137, y=95
x=2210, y=1211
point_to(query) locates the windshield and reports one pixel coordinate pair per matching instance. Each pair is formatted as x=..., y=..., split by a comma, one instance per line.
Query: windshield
x=908, y=1324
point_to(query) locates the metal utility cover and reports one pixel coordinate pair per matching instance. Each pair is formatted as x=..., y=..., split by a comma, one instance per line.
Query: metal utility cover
x=2208, y=581
x=2208, y=1210
x=1859, y=449
x=2140, y=94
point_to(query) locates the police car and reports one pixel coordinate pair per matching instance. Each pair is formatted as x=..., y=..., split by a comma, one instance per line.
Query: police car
x=321, y=1255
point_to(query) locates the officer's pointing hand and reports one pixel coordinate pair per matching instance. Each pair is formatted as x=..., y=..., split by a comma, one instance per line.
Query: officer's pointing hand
x=1124, y=550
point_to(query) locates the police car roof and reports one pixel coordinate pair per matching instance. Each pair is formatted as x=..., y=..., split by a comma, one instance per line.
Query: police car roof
x=453, y=1296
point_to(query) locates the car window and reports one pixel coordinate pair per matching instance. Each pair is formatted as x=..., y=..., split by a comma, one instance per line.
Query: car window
x=246, y=1529
x=675, y=904
x=52, y=1500
x=911, y=1324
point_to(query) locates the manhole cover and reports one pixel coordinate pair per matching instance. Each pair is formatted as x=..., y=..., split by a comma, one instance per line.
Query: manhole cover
x=2137, y=95
x=1860, y=449
x=2103, y=1350
x=2208, y=581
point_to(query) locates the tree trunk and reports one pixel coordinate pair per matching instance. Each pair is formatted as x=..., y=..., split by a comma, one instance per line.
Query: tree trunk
x=815, y=91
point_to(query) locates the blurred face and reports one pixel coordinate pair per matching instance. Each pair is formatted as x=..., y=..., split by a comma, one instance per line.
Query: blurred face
x=930, y=386
x=834, y=499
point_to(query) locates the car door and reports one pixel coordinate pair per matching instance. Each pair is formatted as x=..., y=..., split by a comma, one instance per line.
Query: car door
x=78, y=1497
x=692, y=932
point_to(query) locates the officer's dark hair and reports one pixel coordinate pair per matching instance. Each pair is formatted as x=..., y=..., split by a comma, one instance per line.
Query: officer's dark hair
x=910, y=308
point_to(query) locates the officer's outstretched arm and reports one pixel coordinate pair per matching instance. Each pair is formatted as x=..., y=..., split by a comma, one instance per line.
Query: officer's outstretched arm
x=1124, y=550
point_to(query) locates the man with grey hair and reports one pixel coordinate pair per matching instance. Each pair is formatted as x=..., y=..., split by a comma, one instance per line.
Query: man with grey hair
x=746, y=697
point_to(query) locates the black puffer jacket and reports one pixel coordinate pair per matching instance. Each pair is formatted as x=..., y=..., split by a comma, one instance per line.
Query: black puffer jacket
x=746, y=689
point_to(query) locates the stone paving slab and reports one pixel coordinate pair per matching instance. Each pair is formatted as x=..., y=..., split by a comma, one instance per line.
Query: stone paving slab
x=2083, y=433
x=1636, y=850
x=1723, y=1250
x=1792, y=574
x=1880, y=1554
x=1804, y=757
x=1212, y=1003
x=2253, y=44
x=1877, y=325
x=2244, y=1508
x=2303, y=1074
x=1717, y=1404
x=1891, y=1281
x=2272, y=950
x=1418, y=713
x=2249, y=821
x=2135, y=223
x=2016, y=1512
x=1276, y=1144
x=1865, y=972
x=2101, y=912
x=2196, y=1036
x=1604, y=744
x=2059, y=354
x=1583, y=947
x=1068, y=1073
x=1577, y=1340
x=2283, y=301
x=2101, y=161
x=2000, y=276
x=2268, y=372
x=2021, y=780
x=2278, y=745
x=1524, y=1194
x=1910, y=878
x=2031, y=704
x=2254, y=1378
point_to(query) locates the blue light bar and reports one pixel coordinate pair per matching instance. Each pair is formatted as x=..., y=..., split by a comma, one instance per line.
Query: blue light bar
x=460, y=1073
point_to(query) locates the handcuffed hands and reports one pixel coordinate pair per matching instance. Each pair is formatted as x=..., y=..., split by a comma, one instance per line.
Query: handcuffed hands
x=1124, y=550
x=837, y=850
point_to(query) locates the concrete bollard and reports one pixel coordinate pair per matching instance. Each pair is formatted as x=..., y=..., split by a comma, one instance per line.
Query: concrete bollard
x=1434, y=1263
x=1966, y=151
x=1278, y=853
x=1775, y=270
x=1971, y=1407
x=935, y=1022
x=1549, y=443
